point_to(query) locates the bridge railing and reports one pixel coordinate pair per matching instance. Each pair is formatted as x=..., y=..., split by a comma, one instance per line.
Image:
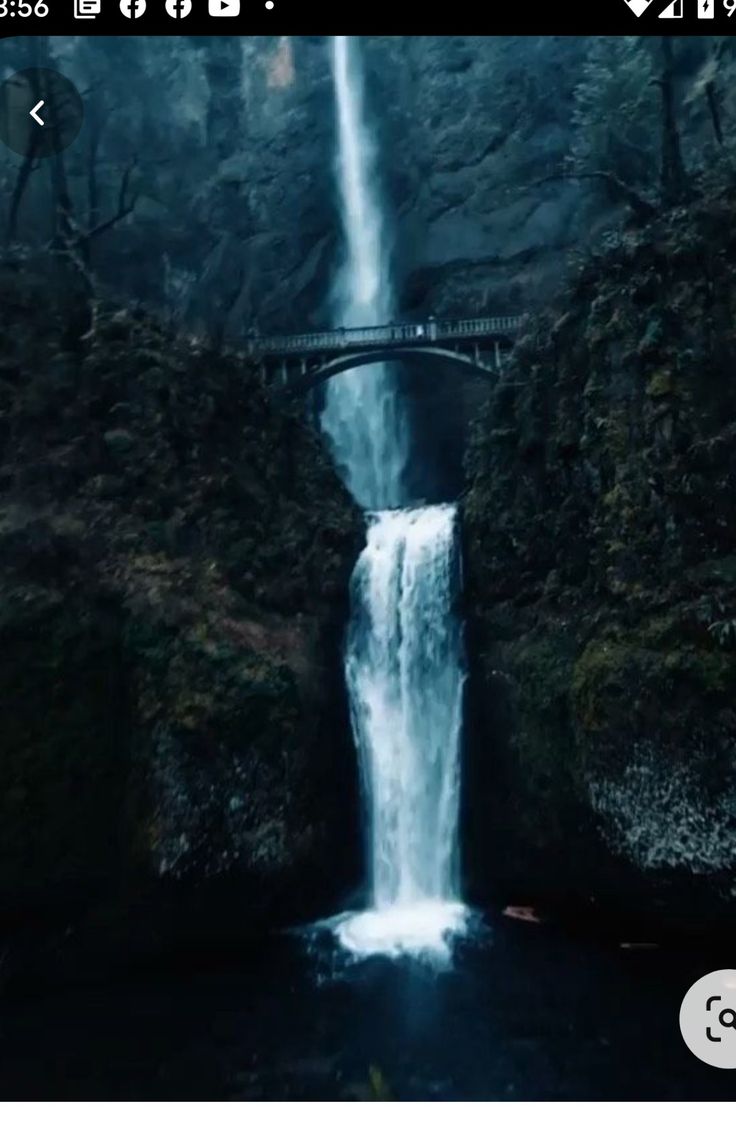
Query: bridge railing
x=312, y=343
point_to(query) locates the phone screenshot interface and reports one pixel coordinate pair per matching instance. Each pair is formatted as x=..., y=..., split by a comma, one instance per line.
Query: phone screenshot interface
x=367, y=559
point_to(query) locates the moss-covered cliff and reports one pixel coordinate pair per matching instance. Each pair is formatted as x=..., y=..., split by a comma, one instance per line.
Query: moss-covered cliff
x=599, y=528
x=175, y=553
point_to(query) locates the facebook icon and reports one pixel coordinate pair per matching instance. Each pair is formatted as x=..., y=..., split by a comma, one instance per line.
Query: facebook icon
x=132, y=8
x=178, y=8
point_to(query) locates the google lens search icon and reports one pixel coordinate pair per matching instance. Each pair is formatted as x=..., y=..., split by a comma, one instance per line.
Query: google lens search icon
x=708, y=1019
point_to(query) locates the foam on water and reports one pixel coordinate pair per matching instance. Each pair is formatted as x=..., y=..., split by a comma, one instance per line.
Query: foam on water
x=425, y=928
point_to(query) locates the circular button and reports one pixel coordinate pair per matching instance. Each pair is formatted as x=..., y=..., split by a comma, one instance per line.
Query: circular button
x=41, y=112
x=708, y=1019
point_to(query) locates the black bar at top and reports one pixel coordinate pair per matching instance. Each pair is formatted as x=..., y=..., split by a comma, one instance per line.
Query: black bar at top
x=382, y=17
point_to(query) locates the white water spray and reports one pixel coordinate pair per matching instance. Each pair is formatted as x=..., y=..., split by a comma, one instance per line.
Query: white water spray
x=403, y=659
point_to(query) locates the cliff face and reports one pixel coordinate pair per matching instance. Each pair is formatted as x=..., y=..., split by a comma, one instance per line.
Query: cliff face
x=234, y=223
x=231, y=178
x=478, y=123
x=175, y=560
x=235, y=216
x=602, y=587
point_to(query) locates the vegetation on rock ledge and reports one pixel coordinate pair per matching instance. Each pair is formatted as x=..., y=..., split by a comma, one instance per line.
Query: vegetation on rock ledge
x=600, y=525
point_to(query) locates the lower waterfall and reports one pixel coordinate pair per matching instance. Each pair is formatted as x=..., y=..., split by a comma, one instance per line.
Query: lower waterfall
x=405, y=678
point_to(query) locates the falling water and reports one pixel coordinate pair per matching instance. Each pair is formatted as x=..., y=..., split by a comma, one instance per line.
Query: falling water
x=403, y=658
x=363, y=418
x=405, y=683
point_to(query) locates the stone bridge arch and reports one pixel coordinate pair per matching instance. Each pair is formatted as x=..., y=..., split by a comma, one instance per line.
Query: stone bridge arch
x=315, y=376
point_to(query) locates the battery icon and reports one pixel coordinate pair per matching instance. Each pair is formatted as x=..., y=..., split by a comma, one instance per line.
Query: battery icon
x=706, y=9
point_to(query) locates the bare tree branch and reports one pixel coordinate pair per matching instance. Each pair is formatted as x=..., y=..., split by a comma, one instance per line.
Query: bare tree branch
x=711, y=96
x=642, y=208
x=26, y=169
x=126, y=204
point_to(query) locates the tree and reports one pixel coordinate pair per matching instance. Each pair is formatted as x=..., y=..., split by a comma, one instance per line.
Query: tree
x=625, y=122
x=673, y=179
x=614, y=114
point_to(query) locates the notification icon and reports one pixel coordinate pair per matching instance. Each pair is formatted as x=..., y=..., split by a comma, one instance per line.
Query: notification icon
x=224, y=7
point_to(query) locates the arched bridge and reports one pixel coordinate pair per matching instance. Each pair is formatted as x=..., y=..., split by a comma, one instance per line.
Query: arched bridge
x=299, y=363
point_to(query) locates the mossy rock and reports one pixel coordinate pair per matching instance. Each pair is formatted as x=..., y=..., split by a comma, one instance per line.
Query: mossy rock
x=661, y=384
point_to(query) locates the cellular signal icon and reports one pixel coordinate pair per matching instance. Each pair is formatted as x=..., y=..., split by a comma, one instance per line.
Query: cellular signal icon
x=706, y=9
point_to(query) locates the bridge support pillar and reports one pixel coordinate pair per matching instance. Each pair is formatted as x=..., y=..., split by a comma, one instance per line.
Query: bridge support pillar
x=284, y=372
x=476, y=352
x=497, y=355
x=303, y=366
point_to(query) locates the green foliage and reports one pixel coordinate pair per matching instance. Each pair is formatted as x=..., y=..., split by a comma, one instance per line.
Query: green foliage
x=379, y=1085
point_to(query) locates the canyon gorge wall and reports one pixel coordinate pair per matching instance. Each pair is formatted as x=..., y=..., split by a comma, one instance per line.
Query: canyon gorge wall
x=230, y=146
x=599, y=530
x=173, y=594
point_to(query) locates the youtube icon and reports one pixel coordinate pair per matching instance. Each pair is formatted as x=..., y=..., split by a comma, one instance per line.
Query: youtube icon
x=224, y=7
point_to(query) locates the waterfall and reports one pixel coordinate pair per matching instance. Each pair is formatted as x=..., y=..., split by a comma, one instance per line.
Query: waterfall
x=405, y=684
x=403, y=656
x=363, y=418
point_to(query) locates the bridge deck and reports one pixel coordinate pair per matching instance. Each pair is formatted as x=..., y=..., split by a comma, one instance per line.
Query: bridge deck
x=434, y=331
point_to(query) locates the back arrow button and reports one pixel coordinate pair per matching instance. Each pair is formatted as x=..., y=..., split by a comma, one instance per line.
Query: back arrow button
x=41, y=111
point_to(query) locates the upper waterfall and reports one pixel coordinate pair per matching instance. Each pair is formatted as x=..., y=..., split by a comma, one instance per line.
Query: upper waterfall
x=363, y=418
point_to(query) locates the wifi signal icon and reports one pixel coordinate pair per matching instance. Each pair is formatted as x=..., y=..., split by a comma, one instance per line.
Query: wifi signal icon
x=673, y=11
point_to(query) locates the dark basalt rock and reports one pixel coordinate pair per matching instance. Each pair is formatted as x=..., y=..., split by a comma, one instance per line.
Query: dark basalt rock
x=176, y=757
x=599, y=536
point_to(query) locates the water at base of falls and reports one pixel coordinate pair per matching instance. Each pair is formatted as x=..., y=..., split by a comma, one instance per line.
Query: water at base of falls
x=405, y=677
x=426, y=929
